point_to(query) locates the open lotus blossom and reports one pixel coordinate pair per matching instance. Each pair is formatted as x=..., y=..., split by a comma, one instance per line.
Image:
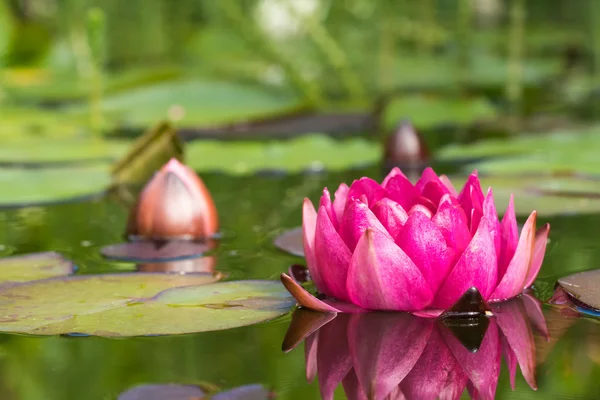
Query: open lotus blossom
x=417, y=248
x=175, y=204
x=401, y=356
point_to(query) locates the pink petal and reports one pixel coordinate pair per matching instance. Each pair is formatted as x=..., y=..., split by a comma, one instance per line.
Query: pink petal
x=428, y=175
x=510, y=237
x=511, y=360
x=424, y=243
x=434, y=191
x=436, y=368
x=394, y=172
x=476, y=267
x=419, y=208
x=357, y=218
x=382, y=277
x=539, y=249
x=333, y=256
x=339, y=202
x=512, y=321
x=343, y=307
x=533, y=308
x=309, y=225
x=489, y=209
x=471, y=199
x=304, y=298
x=352, y=388
x=325, y=202
x=448, y=183
x=391, y=215
x=384, y=348
x=483, y=367
x=310, y=355
x=402, y=191
x=422, y=200
x=333, y=361
x=453, y=223
x=513, y=281
x=369, y=188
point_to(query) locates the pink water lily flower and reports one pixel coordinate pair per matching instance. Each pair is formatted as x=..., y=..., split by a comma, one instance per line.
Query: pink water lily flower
x=403, y=247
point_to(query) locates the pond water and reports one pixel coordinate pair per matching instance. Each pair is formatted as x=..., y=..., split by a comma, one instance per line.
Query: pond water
x=253, y=210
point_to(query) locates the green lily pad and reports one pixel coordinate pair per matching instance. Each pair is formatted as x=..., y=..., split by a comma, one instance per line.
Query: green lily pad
x=574, y=151
x=19, y=123
x=138, y=304
x=583, y=287
x=547, y=194
x=427, y=111
x=52, y=150
x=306, y=152
x=31, y=267
x=192, y=103
x=42, y=186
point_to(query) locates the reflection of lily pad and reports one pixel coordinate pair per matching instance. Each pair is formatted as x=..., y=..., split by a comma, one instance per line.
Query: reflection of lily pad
x=192, y=103
x=138, y=304
x=308, y=152
x=40, y=186
x=31, y=267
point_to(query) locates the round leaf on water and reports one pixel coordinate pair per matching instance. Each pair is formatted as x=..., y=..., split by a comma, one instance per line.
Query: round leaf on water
x=583, y=287
x=314, y=152
x=291, y=242
x=104, y=306
x=31, y=267
x=34, y=306
x=148, y=251
x=169, y=391
x=246, y=392
x=547, y=194
x=23, y=187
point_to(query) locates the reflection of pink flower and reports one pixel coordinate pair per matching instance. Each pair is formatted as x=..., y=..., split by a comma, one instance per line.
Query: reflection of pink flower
x=174, y=204
x=404, y=247
x=399, y=355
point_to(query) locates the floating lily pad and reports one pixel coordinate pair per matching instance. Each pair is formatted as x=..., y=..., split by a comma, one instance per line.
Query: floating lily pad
x=547, y=194
x=138, y=304
x=247, y=392
x=192, y=103
x=427, y=111
x=61, y=150
x=155, y=251
x=170, y=391
x=315, y=152
x=21, y=187
x=291, y=242
x=558, y=152
x=31, y=267
x=584, y=287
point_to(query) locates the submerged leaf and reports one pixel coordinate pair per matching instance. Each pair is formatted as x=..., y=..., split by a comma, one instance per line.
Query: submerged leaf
x=32, y=267
x=138, y=304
